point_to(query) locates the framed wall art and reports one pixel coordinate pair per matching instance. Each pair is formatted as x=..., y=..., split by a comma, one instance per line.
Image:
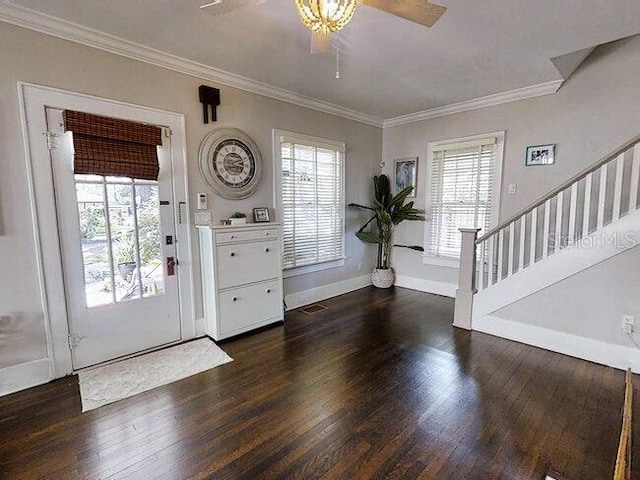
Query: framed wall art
x=405, y=174
x=538, y=155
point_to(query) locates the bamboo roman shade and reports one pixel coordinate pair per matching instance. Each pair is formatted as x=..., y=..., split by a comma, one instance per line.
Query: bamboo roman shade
x=113, y=147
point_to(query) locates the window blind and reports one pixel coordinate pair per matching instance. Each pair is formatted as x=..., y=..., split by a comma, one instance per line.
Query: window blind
x=312, y=179
x=113, y=147
x=461, y=185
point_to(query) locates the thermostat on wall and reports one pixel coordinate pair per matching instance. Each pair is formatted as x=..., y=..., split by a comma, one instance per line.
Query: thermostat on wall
x=202, y=201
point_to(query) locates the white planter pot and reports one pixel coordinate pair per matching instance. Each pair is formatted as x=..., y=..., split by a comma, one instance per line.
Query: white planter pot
x=383, y=278
x=238, y=221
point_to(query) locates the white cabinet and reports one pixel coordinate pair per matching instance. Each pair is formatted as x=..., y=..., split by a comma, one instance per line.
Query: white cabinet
x=241, y=278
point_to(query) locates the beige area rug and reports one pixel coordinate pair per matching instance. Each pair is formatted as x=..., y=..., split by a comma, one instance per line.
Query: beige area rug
x=110, y=383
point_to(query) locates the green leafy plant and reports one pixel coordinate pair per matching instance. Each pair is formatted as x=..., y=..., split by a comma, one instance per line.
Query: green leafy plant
x=388, y=211
x=238, y=215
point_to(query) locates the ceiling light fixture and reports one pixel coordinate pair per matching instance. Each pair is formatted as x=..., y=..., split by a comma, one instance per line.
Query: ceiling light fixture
x=325, y=16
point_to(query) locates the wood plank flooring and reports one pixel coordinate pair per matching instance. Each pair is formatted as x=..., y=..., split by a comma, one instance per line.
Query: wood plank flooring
x=378, y=386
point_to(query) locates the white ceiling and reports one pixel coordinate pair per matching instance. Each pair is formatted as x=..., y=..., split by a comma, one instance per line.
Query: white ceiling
x=389, y=66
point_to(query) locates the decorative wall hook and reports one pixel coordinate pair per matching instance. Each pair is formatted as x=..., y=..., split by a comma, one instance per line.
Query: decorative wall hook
x=209, y=96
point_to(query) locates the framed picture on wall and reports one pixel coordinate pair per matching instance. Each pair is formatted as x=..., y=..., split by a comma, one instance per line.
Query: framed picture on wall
x=405, y=174
x=538, y=155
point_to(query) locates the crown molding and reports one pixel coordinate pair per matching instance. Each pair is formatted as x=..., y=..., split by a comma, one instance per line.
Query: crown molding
x=43, y=23
x=523, y=93
x=27, y=18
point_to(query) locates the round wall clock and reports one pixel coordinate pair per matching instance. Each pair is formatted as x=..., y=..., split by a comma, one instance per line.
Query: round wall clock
x=230, y=163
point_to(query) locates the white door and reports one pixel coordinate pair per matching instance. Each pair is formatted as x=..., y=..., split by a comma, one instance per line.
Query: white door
x=118, y=253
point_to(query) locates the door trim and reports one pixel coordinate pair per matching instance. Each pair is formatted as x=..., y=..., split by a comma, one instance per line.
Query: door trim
x=33, y=99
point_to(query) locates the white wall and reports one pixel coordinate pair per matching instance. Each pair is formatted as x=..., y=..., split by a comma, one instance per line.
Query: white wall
x=589, y=304
x=594, y=112
x=36, y=58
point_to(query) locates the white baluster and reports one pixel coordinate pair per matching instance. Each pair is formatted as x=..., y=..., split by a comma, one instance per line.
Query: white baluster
x=512, y=232
x=573, y=208
x=492, y=255
x=586, y=217
x=483, y=258
x=545, y=233
x=617, y=192
x=534, y=236
x=557, y=244
x=635, y=177
x=523, y=227
x=602, y=196
x=500, y=254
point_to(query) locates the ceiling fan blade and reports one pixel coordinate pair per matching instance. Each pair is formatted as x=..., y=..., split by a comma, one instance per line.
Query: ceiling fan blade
x=219, y=7
x=418, y=11
x=321, y=42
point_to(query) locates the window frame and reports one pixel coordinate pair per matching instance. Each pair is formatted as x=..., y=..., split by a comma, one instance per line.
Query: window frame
x=277, y=192
x=495, y=194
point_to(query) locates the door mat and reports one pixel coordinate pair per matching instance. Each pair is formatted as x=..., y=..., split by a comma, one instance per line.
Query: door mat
x=110, y=383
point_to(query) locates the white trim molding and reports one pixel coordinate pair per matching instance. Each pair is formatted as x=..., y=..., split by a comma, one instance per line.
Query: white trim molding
x=313, y=295
x=24, y=375
x=523, y=93
x=428, y=286
x=28, y=18
x=617, y=356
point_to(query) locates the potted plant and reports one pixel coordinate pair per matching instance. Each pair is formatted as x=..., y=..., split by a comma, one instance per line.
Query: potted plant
x=388, y=211
x=238, y=218
x=124, y=253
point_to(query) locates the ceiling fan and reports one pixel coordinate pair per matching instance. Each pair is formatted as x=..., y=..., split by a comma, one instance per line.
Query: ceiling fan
x=325, y=17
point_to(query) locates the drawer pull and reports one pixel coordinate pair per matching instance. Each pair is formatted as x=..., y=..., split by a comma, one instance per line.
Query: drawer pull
x=268, y=290
x=233, y=254
x=266, y=234
x=267, y=250
x=232, y=236
x=234, y=299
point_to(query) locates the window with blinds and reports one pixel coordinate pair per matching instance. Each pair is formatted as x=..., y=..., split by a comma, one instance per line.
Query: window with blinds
x=311, y=191
x=461, y=193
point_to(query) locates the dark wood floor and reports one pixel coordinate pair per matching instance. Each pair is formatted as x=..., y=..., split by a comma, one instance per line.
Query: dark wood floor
x=378, y=386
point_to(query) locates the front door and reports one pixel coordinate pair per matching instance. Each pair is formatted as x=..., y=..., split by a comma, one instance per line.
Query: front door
x=118, y=252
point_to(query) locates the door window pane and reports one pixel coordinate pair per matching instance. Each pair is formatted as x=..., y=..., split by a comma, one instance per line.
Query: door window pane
x=122, y=252
x=95, y=249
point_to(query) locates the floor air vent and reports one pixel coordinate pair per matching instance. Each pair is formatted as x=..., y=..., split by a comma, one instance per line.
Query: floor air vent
x=313, y=309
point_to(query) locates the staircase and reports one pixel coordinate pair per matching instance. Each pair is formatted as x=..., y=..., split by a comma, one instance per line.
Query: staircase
x=585, y=221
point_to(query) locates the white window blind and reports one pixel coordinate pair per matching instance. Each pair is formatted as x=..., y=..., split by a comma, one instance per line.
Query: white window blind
x=312, y=195
x=461, y=186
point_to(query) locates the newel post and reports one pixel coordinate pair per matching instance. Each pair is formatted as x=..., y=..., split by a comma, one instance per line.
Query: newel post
x=467, y=279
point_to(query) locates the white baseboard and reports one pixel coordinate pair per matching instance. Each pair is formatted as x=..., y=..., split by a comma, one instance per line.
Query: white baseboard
x=24, y=375
x=429, y=286
x=616, y=356
x=307, y=297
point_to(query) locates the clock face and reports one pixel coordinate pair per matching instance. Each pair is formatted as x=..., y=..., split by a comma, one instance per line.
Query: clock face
x=233, y=163
x=230, y=163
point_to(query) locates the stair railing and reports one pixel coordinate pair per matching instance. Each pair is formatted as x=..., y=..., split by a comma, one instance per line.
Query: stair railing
x=593, y=198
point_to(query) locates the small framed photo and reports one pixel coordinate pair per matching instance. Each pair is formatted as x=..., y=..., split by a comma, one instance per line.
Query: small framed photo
x=540, y=155
x=261, y=215
x=405, y=174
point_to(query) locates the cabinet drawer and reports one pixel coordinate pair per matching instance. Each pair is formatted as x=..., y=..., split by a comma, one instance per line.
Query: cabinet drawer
x=247, y=263
x=241, y=236
x=241, y=308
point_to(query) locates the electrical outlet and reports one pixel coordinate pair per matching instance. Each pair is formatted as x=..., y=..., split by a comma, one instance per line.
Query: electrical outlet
x=513, y=188
x=359, y=266
x=628, y=322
